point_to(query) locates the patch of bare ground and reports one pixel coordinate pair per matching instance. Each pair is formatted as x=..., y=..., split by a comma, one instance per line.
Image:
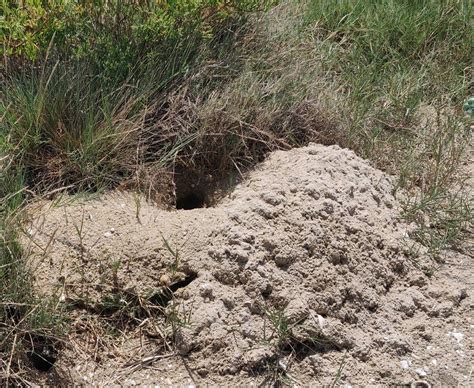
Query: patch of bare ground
x=303, y=275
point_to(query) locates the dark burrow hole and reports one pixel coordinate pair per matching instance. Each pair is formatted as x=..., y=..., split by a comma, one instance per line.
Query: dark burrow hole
x=191, y=201
x=13, y=313
x=198, y=189
x=43, y=353
x=420, y=384
x=193, y=189
x=40, y=350
x=308, y=347
x=267, y=292
x=112, y=307
x=164, y=297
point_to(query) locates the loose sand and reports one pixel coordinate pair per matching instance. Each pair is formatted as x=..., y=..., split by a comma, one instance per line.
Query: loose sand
x=305, y=274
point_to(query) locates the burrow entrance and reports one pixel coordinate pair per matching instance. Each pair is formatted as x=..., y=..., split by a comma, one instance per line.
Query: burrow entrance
x=196, y=189
x=190, y=201
x=43, y=352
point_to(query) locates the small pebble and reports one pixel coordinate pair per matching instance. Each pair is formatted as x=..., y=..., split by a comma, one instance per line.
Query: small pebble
x=460, y=352
x=405, y=364
x=206, y=290
x=421, y=372
x=321, y=321
x=457, y=336
x=165, y=280
x=282, y=365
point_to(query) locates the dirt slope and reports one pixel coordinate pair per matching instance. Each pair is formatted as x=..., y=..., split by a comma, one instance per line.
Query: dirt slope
x=305, y=274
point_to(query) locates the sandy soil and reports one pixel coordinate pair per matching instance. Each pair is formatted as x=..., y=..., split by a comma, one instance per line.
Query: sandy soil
x=305, y=275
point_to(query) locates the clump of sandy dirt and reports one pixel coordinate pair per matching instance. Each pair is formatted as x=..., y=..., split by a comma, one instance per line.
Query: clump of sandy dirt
x=304, y=274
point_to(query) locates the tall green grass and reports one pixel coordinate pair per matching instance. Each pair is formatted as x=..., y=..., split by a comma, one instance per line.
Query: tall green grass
x=64, y=129
x=393, y=56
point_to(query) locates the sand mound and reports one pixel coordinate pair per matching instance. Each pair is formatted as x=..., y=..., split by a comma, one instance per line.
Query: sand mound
x=305, y=269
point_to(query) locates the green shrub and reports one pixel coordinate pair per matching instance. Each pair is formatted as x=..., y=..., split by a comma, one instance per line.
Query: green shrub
x=114, y=36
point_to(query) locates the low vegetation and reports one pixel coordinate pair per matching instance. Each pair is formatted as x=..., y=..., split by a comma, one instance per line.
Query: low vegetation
x=110, y=95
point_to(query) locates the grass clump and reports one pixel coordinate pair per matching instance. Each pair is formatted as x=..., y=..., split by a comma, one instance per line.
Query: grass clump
x=29, y=326
x=66, y=128
x=393, y=58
